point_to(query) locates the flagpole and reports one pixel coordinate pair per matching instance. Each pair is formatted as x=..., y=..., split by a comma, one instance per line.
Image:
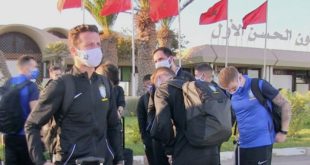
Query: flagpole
x=226, y=55
x=83, y=10
x=133, y=60
x=179, y=35
x=265, y=47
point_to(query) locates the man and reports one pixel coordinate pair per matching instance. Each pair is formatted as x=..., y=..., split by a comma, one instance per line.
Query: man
x=255, y=125
x=204, y=72
x=16, y=151
x=170, y=112
x=142, y=114
x=55, y=72
x=163, y=57
x=90, y=126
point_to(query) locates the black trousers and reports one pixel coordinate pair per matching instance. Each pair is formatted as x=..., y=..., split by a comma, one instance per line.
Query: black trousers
x=16, y=150
x=149, y=153
x=160, y=157
x=255, y=156
x=190, y=155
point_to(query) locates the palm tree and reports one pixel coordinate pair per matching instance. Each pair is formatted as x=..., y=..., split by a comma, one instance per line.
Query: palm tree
x=165, y=35
x=108, y=37
x=56, y=53
x=4, y=70
x=145, y=41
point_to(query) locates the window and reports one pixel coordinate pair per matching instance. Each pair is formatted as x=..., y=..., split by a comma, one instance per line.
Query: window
x=125, y=72
x=15, y=42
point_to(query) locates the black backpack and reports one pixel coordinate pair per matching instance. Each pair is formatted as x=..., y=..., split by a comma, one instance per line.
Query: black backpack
x=11, y=112
x=273, y=109
x=208, y=113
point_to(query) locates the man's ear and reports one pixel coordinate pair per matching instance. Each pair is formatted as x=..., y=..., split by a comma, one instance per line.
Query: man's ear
x=171, y=59
x=72, y=51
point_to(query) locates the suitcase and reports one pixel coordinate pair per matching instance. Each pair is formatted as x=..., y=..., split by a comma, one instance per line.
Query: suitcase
x=90, y=161
x=128, y=153
x=3, y=154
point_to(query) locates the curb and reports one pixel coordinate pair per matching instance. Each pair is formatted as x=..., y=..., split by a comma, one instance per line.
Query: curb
x=229, y=155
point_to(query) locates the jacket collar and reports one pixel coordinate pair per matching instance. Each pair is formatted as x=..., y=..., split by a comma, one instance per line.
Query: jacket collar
x=77, y=72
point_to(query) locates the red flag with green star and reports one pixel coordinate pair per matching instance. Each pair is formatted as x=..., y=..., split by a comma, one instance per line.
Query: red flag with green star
x=68, y=4
x=216, y=13
x=160, y=9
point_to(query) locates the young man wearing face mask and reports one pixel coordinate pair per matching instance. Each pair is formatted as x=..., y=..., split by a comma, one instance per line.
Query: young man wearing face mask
x=163, y=57
x=16, y=151
x=55, y=72
x=170, y=123
x=142, y=115
x=204, y=72
x=255, y=125
x=90, y=126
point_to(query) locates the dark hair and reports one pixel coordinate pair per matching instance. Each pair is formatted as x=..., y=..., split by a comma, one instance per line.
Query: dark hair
x=147, y=77
x=24, y=59
x=205, y=67
x=165, y=50
x=75, y=32
x=111, y=71
x=54, y=67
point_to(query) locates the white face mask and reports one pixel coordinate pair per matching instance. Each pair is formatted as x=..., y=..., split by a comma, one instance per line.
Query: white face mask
x=91, y=57
x=163, y=63
x=199, y=78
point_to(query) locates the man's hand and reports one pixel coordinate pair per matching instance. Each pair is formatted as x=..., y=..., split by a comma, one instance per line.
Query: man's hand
x=169, y=159
x=121, y=110
x=48, y=163
x=280, y=137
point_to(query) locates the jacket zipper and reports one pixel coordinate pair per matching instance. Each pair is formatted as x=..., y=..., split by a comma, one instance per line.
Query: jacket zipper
x=72, y=151
x=110, y=150
x=92, y=101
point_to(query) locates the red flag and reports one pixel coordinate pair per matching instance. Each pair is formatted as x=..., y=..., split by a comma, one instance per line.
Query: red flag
x=216, y=13
x=115, y=6
x=67, y=4
x=160, y=9
x=257, y=16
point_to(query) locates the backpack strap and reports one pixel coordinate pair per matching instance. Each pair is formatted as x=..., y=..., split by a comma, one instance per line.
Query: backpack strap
x=68, y=80
x=146, y=98
x=255, y=87
x=22, y=85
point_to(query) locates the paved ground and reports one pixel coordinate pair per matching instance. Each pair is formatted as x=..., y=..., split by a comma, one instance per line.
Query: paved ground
x=285, y=156
x=283, y=160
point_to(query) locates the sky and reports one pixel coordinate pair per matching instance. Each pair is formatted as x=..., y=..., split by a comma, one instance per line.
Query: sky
x=292, y=15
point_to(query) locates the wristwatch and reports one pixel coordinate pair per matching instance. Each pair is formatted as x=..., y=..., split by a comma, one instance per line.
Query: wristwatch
x=283, y=132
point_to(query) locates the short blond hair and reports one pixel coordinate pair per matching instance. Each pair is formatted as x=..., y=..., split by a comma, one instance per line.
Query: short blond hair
x=227, y=75
x=161, y=70
x=75, y=32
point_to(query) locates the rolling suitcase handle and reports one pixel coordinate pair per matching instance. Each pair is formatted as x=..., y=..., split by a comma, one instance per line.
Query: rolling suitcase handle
x=90, y=159
x=123, y=131
x=2, y=144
